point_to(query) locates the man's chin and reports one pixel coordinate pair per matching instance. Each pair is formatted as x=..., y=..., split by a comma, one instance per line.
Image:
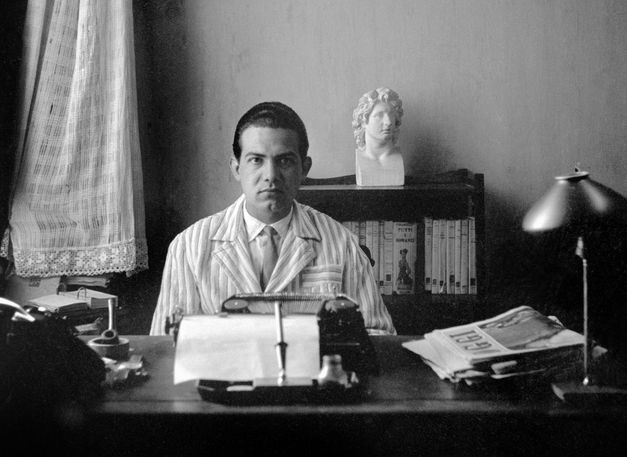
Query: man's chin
x=273, y=210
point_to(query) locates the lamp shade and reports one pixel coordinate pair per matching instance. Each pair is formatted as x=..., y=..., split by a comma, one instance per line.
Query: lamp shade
x=576, y=201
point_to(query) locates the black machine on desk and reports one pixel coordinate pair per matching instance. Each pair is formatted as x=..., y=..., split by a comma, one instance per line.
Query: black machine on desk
x=342, y=329
x=342, y=333
x=42, y=362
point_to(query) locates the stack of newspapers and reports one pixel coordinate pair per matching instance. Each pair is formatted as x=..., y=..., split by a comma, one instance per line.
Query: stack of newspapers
x=521, y=341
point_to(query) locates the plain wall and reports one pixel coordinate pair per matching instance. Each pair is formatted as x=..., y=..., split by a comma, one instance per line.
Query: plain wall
x=521, y=91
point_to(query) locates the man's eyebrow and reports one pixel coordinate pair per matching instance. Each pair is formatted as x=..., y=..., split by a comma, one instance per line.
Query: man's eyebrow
x=254, y=154
x=278, y=156
x=287, y=153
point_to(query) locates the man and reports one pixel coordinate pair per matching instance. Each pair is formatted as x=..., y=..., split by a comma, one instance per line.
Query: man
x=224, y=254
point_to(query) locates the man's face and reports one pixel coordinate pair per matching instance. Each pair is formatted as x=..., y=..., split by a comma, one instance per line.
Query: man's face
x=270, y=171
x=381, y=122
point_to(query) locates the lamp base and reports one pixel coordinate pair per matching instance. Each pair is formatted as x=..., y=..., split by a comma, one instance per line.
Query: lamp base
x=579, y=394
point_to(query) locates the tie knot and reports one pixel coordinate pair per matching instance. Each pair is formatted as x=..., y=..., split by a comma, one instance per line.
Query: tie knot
x=269, y=231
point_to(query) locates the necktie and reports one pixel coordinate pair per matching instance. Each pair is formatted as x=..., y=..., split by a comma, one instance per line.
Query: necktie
x=270, y=254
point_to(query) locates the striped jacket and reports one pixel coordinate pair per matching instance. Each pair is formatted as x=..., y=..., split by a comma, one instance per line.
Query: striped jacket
x=209, y=261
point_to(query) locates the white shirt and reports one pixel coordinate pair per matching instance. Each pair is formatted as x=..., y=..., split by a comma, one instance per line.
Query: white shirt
x=254, y=227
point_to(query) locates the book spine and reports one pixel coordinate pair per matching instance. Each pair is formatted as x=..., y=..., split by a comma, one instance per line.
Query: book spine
x=443, y=240
x=405, y=248
x=419, y=263
x=458, y=256
x=374, y=250
x=361, y=231
x=450, y=257
x=428, y=247
x=369, y=234
x=435, y=257
x=464, y=257
x=381, y=258
x=388, y=247
x=355, y=229
x=368, y=242
x=472, y=265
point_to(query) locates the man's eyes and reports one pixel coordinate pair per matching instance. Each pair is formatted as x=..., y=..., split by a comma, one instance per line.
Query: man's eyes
x=285, y=161
x=281, y=161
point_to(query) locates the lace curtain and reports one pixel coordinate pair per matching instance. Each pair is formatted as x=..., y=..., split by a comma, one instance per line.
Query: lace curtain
x=77, y=205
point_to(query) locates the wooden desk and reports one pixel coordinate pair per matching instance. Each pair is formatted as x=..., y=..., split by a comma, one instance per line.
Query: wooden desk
x=409, y=411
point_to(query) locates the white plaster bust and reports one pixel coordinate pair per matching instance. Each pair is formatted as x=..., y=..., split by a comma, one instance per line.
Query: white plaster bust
x=376, y=125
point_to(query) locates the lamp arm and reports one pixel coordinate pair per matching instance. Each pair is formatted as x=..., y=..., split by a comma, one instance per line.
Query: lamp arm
x=587, y=380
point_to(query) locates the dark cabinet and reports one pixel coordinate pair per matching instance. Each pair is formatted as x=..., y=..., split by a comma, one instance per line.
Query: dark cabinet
x=452, y=195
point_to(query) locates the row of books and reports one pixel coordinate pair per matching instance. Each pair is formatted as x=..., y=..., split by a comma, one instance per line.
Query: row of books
x=449, y=254
x=392, y=246
x=450, y=247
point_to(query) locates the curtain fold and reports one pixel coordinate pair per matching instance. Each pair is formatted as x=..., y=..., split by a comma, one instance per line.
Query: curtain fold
x=76, y=206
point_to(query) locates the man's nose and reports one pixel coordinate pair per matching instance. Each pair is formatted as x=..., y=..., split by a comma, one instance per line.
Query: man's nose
x=387, y=119
x=271, y=171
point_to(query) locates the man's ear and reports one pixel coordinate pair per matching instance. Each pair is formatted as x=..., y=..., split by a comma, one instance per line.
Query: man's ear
x=306, y=166
x=234, y=165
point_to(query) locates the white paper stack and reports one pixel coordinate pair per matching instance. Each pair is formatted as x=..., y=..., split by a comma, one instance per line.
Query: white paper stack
x=242, y=347
x=94, y=298
x=61, y=304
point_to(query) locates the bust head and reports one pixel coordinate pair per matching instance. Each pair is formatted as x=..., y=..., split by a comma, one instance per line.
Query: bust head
x=375, y=110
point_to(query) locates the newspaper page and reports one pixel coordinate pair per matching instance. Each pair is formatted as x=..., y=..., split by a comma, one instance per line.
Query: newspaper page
x=516, y=332
x=449, y=364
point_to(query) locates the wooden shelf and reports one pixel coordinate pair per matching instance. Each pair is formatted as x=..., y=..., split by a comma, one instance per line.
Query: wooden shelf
x=453, y=195
x=459, y=196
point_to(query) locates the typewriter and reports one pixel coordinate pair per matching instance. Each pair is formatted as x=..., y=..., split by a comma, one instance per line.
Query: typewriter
x=341, y=324
x=341, y=331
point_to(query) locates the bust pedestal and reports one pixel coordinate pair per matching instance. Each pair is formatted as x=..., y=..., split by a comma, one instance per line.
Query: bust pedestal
x=384, y=171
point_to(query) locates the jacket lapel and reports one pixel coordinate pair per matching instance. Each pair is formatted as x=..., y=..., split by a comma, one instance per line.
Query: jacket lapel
x=297, y=251
x=234, y=255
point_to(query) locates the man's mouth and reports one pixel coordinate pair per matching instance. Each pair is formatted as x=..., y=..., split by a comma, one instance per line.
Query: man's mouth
x=271, y=191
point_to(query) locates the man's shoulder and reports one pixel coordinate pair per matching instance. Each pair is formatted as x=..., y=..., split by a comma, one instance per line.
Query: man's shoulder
x=314, y=213
x=210, y=225
x=320, y=219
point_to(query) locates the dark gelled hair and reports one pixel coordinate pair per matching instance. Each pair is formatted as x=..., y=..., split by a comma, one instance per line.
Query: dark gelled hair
x=274, y=115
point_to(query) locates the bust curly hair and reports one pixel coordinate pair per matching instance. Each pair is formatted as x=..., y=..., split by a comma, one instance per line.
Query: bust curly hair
x=365, y=106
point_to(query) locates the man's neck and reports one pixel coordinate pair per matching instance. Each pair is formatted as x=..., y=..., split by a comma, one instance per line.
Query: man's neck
x=267, y=217
x=253, y=222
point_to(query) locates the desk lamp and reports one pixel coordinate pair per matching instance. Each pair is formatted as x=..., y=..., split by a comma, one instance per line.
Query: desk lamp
x=577, y=202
